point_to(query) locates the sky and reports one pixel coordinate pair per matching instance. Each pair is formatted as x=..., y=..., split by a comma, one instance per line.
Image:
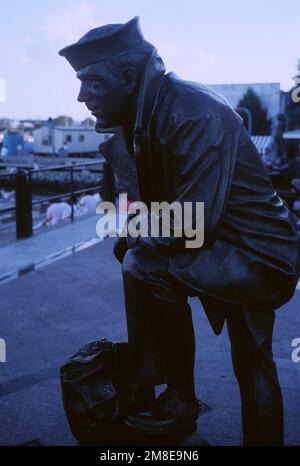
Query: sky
x=209, y=41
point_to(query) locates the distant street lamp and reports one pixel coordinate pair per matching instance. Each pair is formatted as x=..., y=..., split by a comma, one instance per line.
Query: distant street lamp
x=51, y=135
x=249, y=119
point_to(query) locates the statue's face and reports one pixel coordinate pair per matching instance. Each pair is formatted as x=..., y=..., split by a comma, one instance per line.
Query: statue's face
x=106, y=94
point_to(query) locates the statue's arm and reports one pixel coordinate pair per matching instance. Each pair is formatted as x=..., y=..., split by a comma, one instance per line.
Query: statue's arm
x=195, y=148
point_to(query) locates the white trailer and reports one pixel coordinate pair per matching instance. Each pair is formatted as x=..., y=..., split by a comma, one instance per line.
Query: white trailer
x=50, y=139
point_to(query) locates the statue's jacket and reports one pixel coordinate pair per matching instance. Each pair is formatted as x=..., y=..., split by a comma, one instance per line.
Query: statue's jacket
x=191, y=146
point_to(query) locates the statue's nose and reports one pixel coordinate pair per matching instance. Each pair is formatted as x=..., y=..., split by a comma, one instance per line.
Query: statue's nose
x=83, y=95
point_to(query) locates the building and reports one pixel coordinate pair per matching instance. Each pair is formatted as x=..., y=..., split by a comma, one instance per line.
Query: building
x=293, y=135
x=292, y=140
x=14, y=143
x=272, y=98
x=78, y=140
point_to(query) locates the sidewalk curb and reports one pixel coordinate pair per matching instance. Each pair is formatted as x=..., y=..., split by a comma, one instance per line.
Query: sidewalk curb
x=36, y=265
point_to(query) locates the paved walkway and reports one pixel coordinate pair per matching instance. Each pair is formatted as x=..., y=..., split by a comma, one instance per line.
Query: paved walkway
x=47, y=315
x=46, y=245
x=21, y=254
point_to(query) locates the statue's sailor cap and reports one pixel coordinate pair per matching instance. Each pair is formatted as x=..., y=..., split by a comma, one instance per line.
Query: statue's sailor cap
x=103, y=42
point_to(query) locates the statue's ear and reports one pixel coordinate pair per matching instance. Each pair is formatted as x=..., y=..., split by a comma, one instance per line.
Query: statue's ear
x=129, y=79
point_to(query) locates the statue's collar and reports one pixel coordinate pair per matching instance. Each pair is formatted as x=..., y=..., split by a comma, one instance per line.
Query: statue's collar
x=151, y=82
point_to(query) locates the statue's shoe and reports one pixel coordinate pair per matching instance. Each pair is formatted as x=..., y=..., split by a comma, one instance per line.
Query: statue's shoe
x=167, y=414
x=133, y=402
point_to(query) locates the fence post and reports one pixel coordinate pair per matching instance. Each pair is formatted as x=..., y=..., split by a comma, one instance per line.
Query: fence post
x=108, y=183
x=23, y=205
x=72, y=193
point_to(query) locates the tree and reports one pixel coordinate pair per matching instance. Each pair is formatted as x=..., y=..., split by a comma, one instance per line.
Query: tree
x=63, y=120
x=260, y=122
x=293, y=102
x=88, y=122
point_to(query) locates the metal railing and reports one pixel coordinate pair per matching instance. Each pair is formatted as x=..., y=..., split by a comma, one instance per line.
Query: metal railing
x=23, y=184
